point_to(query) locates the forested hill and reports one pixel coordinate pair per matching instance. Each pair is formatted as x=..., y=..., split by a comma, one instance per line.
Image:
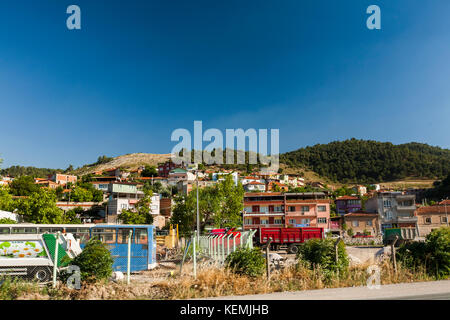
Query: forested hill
x=368, y=161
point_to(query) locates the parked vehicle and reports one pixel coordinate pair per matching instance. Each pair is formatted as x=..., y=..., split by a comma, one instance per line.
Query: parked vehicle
x=287, y=238
x=32, y=255
x=143, y=240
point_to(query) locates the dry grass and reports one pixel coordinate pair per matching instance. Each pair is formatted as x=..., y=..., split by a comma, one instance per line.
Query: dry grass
x=216, y=282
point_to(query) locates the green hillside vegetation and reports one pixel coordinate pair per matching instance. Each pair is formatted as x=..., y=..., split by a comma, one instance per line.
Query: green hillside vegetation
x=367, y=161
x=18, y=171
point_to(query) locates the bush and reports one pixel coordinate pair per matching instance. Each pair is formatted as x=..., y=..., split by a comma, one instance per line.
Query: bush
x=248, y=262
x=321, y=253
x=95, y=262
x=434, y=253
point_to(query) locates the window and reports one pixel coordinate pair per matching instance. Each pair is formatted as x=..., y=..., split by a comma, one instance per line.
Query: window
x=292, y=221
x=105, y=235
x=322, y=220
x=291, y=208
x=248, y=221
x=248, y=209
x=278, y=221
x=355, y=223
x=264, y=209
x=123, y=234
x=305, y=208
x=141, y=236
x=427, y=220
x=23, y=230
x=123, y=206
x=4, y=230
x=278, y=209
x=369, y=223
x=444, y=219
x=388, y=215
x=387, y=203
x=264, y=221
x=306, y=221
x=322, y=208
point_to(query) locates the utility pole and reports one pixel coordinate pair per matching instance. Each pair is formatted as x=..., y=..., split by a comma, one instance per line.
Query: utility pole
x=198, y=214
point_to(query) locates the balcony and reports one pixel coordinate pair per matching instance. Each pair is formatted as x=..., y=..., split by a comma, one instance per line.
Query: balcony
x=257, y=226
x=257, y=214
x=406, y=219
x=301, y=213
x=405, y=208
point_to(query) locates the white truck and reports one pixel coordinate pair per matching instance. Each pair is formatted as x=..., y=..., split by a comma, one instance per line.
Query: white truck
x=33, y=255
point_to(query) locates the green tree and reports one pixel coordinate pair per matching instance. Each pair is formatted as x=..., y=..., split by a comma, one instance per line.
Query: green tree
x=23, y=186
x=231, y=204
x=79, y=194
x=220, y=205
x=40, y=207
x=149, y=171
x=7, y=221
x=6, y=201
x=141, y=214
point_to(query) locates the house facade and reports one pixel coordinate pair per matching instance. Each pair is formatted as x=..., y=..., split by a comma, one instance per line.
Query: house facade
x=361, y=222
x=347, y=204
x=395, y=209
x=265, y=209
x=275, y=209
x=63, y=179
x=432, y=217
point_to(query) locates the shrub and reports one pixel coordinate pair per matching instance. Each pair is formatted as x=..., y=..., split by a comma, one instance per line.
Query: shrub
x=7, y=221
x=248, y=262
x=321, y=253
x=95, y=261
x=438, y=245
x=434, y=253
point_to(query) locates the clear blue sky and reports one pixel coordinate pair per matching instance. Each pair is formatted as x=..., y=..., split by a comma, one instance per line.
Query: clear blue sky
x=140, y=69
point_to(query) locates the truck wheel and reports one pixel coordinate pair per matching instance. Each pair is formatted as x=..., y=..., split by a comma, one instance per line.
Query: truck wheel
x=293, y=249
x=42, y=274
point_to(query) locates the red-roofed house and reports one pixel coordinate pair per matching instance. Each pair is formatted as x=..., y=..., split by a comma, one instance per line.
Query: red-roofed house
x=432, y=217
x=361, y=222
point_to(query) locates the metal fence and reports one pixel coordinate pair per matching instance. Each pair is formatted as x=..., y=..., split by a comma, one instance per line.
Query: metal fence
x=218, y=247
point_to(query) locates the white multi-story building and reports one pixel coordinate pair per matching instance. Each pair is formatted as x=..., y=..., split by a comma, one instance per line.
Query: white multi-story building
x=395, y=209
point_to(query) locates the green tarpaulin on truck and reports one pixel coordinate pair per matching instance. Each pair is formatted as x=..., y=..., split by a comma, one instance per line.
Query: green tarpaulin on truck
x=50, y=241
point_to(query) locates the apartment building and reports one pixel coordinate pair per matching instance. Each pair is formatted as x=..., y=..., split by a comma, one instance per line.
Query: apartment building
x=275, y=209
x=308, y=209
x=395, y=209
x=263, y=209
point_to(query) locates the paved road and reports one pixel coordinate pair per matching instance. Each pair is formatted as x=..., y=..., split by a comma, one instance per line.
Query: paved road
x=431, y=290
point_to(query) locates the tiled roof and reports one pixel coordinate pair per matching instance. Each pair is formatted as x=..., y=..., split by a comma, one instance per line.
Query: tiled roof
x=432, y=209
x=347, y=198
x=361, y=214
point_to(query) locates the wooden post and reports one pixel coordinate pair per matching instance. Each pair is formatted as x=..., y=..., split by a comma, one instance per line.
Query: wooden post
x=336, y=249
x=394, y=259
x=268, y=259
x=336, y=252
